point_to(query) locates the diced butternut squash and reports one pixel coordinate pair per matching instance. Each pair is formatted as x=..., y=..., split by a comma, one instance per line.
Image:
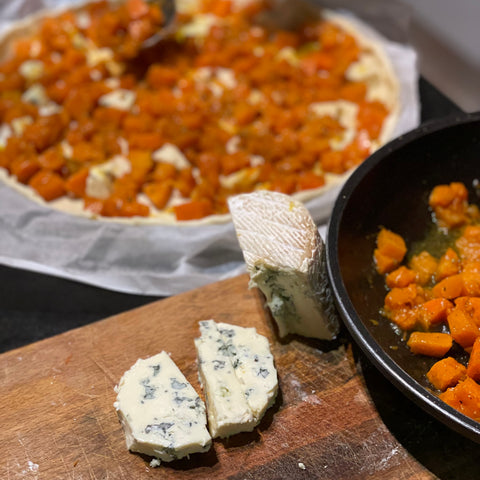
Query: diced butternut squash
x=429, y=295
x=51, y=159
x=391, y=244
x=400, y=277
x=24, y=167
x=445, y=195
x=432, y=344
x=119, y=207
x=446, y=373
x=384, y=263
x=471, y=306
x=471, y=283
x=401, y=305
x=159, y=193
x=193, y=210
x=390, y=251
x=449, y=264
x=405, y=318
x=471, y=267
x=449, y=202
x=76, y=183
x=142, y=163
x=309, y=180
x=248, y=114
x=433, y=312
x=465, y=397
x=468, y=245
x=401, y=297
x=185, y=182
x=473, y=367
x=450, y=287
x=462, y=328
x=425, y=266
x=163, y=171
x=49, y=185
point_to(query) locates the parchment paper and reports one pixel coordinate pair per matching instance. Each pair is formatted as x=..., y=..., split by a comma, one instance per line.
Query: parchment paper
x=165, y=260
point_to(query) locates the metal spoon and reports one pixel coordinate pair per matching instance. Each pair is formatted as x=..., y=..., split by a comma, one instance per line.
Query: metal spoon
x=288, y=14
x=169, y=13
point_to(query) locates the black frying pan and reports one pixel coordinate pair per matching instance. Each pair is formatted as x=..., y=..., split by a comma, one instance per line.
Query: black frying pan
x=391, y=189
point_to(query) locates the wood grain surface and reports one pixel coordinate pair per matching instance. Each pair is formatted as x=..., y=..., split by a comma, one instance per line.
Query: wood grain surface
x=58, y=422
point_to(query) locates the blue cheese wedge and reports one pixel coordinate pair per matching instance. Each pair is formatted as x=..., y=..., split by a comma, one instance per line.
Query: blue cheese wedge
x=238, y=376
x=285, y=257
x=160, y=412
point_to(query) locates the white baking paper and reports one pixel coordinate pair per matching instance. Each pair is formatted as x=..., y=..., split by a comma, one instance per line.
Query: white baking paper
x=162, y=260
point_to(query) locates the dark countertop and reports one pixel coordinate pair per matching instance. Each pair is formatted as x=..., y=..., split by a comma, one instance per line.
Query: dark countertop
x=35, y=306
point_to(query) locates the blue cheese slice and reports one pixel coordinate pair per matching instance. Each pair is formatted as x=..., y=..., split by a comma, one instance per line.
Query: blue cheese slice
x=285, y=257
x=253, y=366
x=238, y=376
x=160, y=412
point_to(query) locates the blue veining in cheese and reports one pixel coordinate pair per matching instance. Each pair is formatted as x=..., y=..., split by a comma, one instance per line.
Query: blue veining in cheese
x=285, y=258
x=160, y=412
x=253, y=365
x=238, y=376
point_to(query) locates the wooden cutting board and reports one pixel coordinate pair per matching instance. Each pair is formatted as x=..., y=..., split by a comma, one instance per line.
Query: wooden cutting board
x=57, y=420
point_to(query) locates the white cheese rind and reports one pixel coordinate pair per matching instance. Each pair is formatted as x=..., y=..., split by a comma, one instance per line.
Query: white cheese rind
x=160, y=412
x=238, y=376
x=285, y=258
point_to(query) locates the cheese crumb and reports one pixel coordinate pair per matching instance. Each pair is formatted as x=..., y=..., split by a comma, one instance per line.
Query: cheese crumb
x=366, y=67
x=83, y=20
x=67, y=149
x=120, y=99
x=226, y=77
x=96, y=56
x=233, y=144
x=36, y=95
x=289, y=55
x=5, y=134
x=100, y=177
x=199, y=27
x=18, y=124
x=31, y=70
x=50, y=109
x=169, y=153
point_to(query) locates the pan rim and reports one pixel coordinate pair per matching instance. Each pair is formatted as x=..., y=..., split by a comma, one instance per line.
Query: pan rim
x=353, y=321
